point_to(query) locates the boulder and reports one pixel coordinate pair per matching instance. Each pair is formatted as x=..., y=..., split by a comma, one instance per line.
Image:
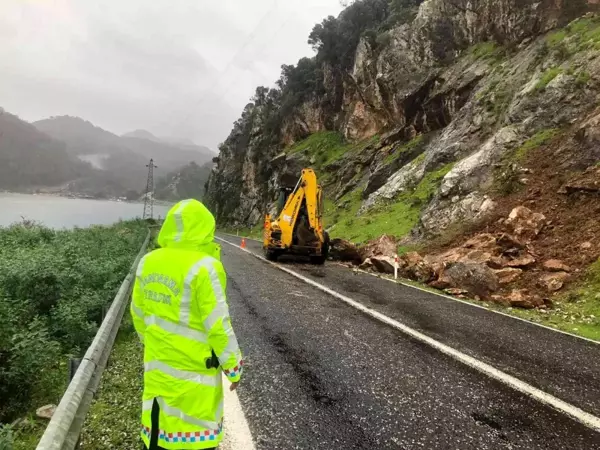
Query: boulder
x=525, y=223
x=497, y=262
x=556, y=265
x=454, y=254
x=477, y=256
x=478, y=279
x=367, y=264
x=554, y=282
x=508, y=275
x=523, y=261
x=384, y=245
x=520, y=299
x=342, y=250
x=383, y=264
x=415, y=267
x=412, y=259
x=508, y=242
x=435, y=263
x=442, y=283
x=46, y=411
x=484, y=241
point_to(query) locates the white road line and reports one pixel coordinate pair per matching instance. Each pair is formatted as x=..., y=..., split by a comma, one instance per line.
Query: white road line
x=454, y=299
x=572, y=411
x=237, y=432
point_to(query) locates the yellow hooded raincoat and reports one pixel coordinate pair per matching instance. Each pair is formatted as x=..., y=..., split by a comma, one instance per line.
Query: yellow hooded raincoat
x=180, y=312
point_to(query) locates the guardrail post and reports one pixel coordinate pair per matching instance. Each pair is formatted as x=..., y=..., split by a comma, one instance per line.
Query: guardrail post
x=73, y=366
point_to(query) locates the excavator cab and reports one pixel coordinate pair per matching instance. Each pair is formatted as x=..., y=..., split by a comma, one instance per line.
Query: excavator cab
x=298, y=228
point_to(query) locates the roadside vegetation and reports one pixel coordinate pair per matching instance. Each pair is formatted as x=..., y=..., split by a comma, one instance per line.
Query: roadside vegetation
x=54, y=289
x=120, y=390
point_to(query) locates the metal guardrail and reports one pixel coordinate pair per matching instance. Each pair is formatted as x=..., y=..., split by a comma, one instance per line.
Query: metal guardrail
x=67, y=421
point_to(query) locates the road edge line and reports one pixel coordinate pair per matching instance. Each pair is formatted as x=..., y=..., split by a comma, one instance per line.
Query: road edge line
x=572, y=411
x=237, y=430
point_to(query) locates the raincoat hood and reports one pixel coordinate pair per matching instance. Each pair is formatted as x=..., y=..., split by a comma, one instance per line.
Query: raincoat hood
x=189, y=225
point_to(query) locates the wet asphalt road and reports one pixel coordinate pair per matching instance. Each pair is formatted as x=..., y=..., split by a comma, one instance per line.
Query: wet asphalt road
x=559, y=364
x=322, y=375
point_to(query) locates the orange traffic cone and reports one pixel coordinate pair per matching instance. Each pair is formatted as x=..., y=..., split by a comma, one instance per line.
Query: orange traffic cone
x=243, y=243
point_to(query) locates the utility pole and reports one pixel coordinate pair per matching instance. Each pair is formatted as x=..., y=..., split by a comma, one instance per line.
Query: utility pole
x=149, y=198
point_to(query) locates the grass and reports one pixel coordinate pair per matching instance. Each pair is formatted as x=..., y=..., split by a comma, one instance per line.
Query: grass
x=113, y=421
x=495, y=98
x=328, y=146
x=406, y=148
x=483, y=49
x=396, y=217
x=536, y=141
x=580, y=35
x=582, y=78
x=547, y=78
x=557, y=37
x=489, y=51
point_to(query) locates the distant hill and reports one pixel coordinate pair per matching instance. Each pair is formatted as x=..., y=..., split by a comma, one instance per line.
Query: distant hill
x=182, y=144
x=73, y=156
x=186, y=182
x=122, y=159
x=84, y=138
x=30, y=158
x=141, y=134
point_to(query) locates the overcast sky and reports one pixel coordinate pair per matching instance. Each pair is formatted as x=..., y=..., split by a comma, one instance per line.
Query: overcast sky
x=182, y=68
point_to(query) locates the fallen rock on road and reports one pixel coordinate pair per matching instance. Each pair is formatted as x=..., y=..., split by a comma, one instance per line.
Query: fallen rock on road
x=343, y=250
x=477, y=279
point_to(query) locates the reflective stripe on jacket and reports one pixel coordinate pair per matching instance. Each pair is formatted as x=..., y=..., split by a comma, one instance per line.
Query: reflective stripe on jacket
x=180, y=312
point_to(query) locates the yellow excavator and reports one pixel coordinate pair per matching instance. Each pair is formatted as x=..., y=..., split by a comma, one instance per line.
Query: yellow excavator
x=298, y=229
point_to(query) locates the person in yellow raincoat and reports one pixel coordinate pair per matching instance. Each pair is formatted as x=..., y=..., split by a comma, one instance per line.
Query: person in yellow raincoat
x=181, y=315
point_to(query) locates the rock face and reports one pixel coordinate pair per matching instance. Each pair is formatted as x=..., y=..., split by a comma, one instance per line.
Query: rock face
x=555, y=265
x=439, y=77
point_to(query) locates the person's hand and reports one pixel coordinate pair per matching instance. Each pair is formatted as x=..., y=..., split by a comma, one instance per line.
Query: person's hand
x=233, y=386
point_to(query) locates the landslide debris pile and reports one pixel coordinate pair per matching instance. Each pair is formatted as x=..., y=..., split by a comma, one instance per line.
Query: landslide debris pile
x=431, y=122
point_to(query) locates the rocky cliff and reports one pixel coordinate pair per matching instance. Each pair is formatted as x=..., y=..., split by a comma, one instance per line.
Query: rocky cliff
x=468, y=132
x=446, y=100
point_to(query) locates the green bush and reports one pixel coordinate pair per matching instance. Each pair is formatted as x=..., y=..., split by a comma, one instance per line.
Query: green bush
x=537, y=140
x=54, y=286
x=547, y=77
x=6, y=437
x=582, y=79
